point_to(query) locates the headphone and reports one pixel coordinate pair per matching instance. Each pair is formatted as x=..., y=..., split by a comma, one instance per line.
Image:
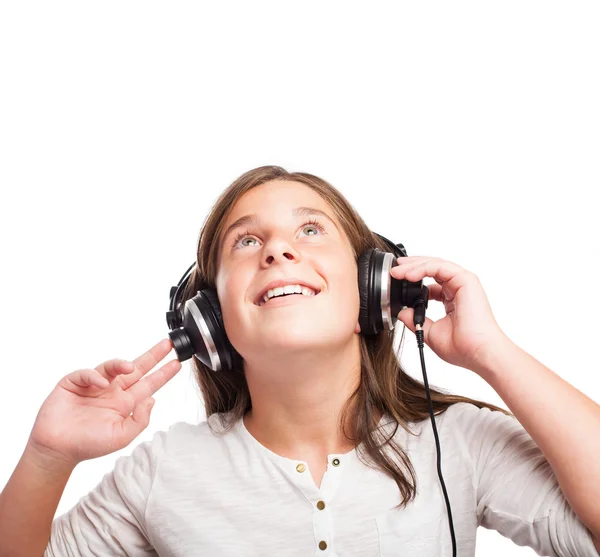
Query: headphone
x=197, y=329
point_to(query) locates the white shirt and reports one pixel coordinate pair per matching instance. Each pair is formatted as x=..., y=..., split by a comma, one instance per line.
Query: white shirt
x=190, y=492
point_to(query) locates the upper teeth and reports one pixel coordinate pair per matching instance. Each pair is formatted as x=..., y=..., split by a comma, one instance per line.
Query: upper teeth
x=288, y=289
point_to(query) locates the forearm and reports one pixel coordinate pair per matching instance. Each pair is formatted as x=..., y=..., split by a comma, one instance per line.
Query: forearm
x=28, y=503
x=563, y=422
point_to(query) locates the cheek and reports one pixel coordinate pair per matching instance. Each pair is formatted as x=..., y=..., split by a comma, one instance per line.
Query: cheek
x=225, y=286
x=232, y=288
x=350, y=294
x=343, y=280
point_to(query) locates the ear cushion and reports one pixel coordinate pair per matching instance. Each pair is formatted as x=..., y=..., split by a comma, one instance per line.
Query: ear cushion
x=365, y=288
x=215, y=307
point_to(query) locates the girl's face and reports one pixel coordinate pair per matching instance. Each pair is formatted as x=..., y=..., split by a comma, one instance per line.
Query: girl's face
x=281, y=243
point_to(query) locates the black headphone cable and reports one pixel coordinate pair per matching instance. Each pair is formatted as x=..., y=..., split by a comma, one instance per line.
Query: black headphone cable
x=418, y=320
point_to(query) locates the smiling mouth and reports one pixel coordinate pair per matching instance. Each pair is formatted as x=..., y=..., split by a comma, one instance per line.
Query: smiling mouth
x=274, y=301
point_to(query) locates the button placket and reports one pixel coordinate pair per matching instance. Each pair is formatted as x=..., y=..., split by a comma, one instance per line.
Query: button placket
x=323, y=526
x=320, y=499
x=323, y=523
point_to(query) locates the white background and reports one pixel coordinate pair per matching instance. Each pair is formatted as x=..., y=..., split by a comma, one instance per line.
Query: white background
x=466, y=131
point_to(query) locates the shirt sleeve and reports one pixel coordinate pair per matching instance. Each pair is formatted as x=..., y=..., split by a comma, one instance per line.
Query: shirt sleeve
x=110, y=519
x=518, y=494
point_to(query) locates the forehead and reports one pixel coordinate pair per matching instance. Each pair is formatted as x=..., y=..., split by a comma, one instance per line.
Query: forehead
x=276, y=194
x=273, y=201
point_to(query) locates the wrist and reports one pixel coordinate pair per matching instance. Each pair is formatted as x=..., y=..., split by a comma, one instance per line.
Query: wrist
x=47, y=459
x=496, y=351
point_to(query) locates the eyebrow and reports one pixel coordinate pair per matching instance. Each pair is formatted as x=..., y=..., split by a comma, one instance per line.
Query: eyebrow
x=253, y=219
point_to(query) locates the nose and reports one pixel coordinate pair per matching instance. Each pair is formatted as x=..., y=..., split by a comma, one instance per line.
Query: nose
x=278, y=251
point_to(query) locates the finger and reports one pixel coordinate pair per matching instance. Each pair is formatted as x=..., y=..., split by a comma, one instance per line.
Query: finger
x=133, y=425
x=155, y=381
x=85, y=378
x=147, y=361
x=114, y=368
x=439, y=269
x=411, y=259
x=435, y=292
x=401, y=272
x=404, y=266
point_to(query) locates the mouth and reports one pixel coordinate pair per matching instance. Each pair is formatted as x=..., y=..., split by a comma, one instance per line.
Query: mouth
x=282, y=288
x=301, y=289
x=285, y=300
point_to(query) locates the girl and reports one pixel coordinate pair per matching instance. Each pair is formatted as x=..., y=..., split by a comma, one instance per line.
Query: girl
x=319, y=443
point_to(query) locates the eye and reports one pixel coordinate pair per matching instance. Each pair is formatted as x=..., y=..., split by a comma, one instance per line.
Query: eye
x=313, y=224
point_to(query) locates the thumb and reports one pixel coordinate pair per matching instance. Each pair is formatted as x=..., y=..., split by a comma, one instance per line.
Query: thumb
x=406, y=315
x=139, y=420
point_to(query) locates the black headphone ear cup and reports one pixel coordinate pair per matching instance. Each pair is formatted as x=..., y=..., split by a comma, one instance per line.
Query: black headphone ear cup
x=364, y=288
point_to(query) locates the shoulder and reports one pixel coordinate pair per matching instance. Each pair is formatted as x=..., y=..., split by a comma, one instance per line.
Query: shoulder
x=466, y=422
x=485, y=436
x=461, y=418
x=468, y=415
x=184, y=439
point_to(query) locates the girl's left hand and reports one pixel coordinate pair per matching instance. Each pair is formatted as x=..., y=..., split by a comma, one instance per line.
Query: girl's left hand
x=468, y=330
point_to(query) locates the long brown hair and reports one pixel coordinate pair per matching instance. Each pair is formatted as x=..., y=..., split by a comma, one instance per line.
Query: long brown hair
x=384, y=386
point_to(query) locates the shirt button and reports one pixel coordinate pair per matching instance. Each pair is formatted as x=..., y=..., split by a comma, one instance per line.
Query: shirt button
x=321, y=505
x=301, y=467
x=322, y=545
x=335, y=462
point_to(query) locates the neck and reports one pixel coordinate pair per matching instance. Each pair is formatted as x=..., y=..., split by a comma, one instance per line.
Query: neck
x=297, y=405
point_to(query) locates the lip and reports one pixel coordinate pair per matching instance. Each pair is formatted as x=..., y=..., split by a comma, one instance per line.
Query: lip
x=284, y=282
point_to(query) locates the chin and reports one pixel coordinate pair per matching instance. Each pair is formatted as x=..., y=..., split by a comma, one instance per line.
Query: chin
x=298, y=338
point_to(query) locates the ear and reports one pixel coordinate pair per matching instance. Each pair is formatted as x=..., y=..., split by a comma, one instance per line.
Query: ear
x=357, y=328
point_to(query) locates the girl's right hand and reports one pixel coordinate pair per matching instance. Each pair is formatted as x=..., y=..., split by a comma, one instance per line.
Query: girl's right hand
x=87, y=415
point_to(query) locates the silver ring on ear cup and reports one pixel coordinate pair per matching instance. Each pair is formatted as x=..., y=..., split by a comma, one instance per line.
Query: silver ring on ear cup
x=385, y=281
x=213, y=354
